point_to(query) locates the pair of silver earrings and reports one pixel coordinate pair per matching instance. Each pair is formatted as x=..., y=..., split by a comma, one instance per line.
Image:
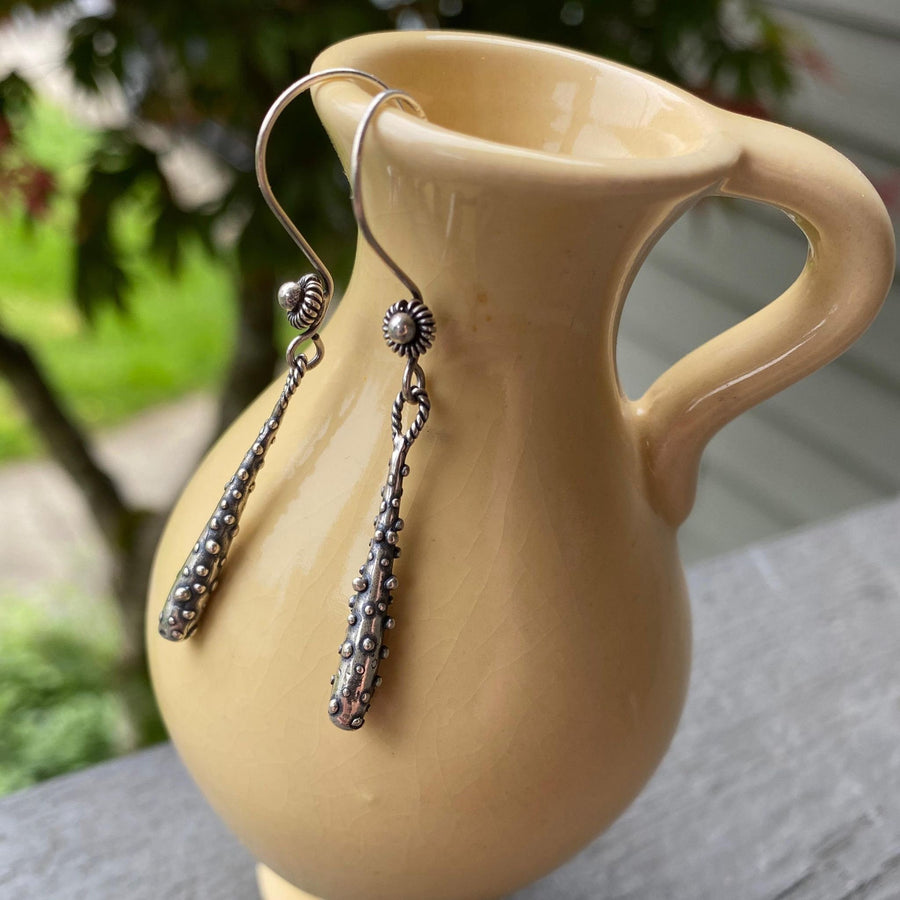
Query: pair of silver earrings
x=408, y=329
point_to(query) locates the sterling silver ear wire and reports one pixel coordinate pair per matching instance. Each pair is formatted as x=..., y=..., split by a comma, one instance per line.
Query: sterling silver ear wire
x=408, y=328
x=305, y=302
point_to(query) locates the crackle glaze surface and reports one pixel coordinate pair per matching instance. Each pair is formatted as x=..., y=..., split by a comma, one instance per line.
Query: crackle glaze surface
x=541, y=654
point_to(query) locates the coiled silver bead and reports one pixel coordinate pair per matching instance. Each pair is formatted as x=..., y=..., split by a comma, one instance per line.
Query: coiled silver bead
x=303, y=301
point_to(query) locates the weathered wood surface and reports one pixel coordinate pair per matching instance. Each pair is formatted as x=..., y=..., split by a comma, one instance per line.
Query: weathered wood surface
x=783, y=782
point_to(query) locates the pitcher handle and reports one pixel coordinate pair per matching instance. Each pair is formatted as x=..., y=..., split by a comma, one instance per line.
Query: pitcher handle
x=846, y=277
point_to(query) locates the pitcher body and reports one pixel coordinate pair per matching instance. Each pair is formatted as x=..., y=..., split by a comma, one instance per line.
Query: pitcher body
x=540, y=659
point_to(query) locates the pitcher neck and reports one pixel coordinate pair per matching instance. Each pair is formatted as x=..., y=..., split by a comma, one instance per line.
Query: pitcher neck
x=533, y=261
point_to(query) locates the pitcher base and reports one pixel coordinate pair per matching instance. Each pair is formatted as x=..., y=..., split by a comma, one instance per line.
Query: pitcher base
x=274, y=887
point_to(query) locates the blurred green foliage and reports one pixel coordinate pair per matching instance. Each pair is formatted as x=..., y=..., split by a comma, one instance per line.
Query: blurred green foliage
x=117, y=364
x=59, y=708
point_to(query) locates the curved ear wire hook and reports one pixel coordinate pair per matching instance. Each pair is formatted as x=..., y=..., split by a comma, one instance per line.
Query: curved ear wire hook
x=356, y=179
x=262, y=142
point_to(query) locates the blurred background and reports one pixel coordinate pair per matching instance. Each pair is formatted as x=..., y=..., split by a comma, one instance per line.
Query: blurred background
x=138, y=269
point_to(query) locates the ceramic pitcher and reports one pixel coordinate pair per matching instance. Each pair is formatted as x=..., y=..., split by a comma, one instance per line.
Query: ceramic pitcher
x=541, y=655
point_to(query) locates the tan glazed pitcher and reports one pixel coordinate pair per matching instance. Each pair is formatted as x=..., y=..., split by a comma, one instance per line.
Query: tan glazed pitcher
x=541, y=655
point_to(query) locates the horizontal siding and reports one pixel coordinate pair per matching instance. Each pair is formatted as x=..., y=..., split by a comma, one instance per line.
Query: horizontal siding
x=824, y=445
x=878, y=18
x=854, y=101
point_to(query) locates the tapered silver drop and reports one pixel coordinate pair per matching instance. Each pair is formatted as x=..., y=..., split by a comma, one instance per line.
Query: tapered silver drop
x=199, y=577
x=363, y=646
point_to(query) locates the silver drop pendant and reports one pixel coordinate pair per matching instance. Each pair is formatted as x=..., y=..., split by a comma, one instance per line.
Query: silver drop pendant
x=408, y=330
x=363, y=647
x=199, y=576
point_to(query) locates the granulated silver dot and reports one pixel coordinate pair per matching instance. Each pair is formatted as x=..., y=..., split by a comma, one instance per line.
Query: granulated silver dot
x=171, y=620
x=391, y=537
x=391, y=583
x=202, y=571
x=176, y=635
x=360, y=583
x=332, y=679
x=398, y=525
x=378, y=681
x=352, y=618
x=237, y=494
x=346, y=650
x=334, y=706
x=404, y=471
x=401, y=328
x=368, y=644
x=200, y=588
x=385, y=652
x=352, y=602
x=289, y=295
x=212, y=547
x=228, y=520
x=224, y=503
x=243, y=474
x=395, y=502
x=345, y=692
x=182, y=593
x=188, y=614
x=379, y=535
x=257, y=449
x=389, y=622
x=214, y=524
x=360, y=670
x=186, y=571
x=382, y=606
x=364, y=696
x=385, y=563
x=356, y=723
x=369, y=610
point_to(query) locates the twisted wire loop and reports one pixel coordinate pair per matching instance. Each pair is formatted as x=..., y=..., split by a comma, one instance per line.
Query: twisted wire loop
x=423, y=408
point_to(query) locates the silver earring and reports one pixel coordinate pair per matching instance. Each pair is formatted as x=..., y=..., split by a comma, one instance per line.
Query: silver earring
x=408, y=328
x=306, y=303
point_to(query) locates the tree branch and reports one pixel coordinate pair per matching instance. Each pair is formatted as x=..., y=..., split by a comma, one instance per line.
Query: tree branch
x=66, y=442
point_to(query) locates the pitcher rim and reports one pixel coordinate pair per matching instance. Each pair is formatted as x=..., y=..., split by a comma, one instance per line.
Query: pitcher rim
x=343, y=103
